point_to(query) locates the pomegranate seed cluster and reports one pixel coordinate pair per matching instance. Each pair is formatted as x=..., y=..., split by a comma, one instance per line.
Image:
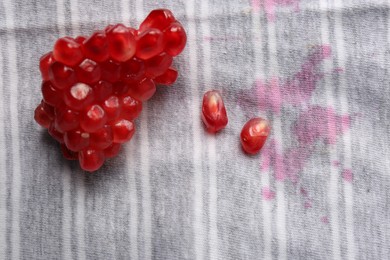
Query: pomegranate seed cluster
x=93, y=87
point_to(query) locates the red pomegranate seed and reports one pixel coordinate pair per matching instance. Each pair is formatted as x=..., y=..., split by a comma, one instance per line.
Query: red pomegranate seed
x=144, y=90
x=61, y=76
x=133, y=71
x=96, y=47
x=88, y=72
x=76, y=140
x=158, y=65
x=120, y=88
x=94, y=118
x=254, y=134
x=168, y=78
x=160, y=19
x=112, y=150
x=123, y=131
x=66, y=119
x=110, y=71
x=121, y=43
x=102, y=90
x=51, y=95
x=108, y=28
x=68, y=154
x=57, y=135
x=79, y=96
x=44, y=65
x=91, y=159
x=112, y=107
x=102, y=138
x=80, y=39
x=150, y=43
x=49, y=110
x=175, y=38
x=41, y=117
x=131, y=108
x=67, y=51
x=214, y=114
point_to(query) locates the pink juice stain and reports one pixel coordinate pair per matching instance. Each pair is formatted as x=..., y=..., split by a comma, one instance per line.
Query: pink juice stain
x=270, y=6
x=267, y=193
x=347, y=175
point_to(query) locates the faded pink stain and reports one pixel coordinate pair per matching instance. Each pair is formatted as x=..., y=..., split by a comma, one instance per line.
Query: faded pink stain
x=336, y=163
x=319, y=123
x=303, y=192
x=307, y=204
x=267, y=193
x=325, y=220
x=347, y=175
x=270, y=6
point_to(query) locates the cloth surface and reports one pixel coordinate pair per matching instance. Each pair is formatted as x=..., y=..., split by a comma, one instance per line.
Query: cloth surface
x=318, y=70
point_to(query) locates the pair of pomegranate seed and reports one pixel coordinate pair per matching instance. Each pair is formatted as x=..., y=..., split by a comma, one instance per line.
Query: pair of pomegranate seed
x=93, y=87
x=214, y=116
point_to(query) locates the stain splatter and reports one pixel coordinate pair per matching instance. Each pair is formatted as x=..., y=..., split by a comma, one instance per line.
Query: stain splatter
x=269, y=6
x=325, y=220
x=347, y=175
x=267, y=193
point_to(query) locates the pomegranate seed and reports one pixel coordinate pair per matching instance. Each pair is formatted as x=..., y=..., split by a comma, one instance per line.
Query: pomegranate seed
x=102, y=90
x=110, y=70
x=112, y=150
x=51, y=95
x=79, y=96
x=133, y=71
x=254, y=134
x=120, y=88
x=108, y=28
x=76, y=140
x=44, y=65
x=123, y=130
x=112, y=107
x=57, y=135
x=88, y=72
x=68, y=154
x=144, y=90
x=67, y=51
x=158, y=65
x=41, y=117
x=96, y=47
x=176, y=39
x=160, y=19
x=61, y=76
x=150, y=43
x=80, y=39
x=49, y=110
x=214, y=114
x=168, y=78
x=91, y=159
x=94, y=118
x=66, y=119
x=131, y=108
x=121, y=43
x=102, y=138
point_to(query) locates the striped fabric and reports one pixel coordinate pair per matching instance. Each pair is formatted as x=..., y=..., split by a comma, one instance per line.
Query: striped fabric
x=319, y=70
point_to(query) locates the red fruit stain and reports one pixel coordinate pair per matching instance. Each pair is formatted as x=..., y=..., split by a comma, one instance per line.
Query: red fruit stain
x=269, y=6
x=267, y=193
x=347, y=175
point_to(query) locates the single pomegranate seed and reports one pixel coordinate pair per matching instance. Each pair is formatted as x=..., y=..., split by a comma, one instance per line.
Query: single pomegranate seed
x=108, y=28
x=41, y=117
x=102, y=138
x=150, y=43
x=67, y=51
x=49, y=110
x=102, y=90
x=168, y=78
x=66, y=119
x=80, y=39
x=88, y=72
x=112, y=150
x=57, y=135
x=68, y=154
x=175, y=38
x=131, y=108
x=160, y=19
x=44, y=65
x=91, y=159
x=144, y=90
x=123, y=131
x=112, y=107
x=76, y=140
x=121, y=43
x=120, y=88
x=214, y=114
x=51, y=95
x=79, y=96
x=133, y=71
x=158, y=65
x=94, y=118
x=254, y=134
x=96, y=47
x=61, y=76
x=110, y=71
